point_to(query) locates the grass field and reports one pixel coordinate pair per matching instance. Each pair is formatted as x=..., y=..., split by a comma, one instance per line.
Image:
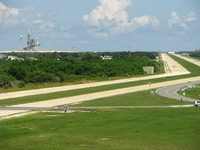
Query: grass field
x=192, y=92
x=105, y=129
x=143, y=98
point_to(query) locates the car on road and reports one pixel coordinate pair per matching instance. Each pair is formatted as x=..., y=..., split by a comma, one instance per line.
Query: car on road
x=196, y=103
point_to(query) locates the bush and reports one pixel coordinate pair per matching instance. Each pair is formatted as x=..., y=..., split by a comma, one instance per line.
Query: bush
x=21, y=84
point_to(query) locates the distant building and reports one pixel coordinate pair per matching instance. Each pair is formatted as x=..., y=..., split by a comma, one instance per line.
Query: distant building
x=184, y=54
x=198, y=50
x=171, y=52
x=106, y=57
x=149, y=69
x=2, y=56
x=32, y=58
x=14, y=58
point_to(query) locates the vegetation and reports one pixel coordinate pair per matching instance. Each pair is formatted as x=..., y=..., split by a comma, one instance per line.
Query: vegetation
x=195, y=71
x=143, y=98
x=192, y=92
x=123, y=129
x=154, y=128
x=195, y=54
x=66, y=69
x=62, y=56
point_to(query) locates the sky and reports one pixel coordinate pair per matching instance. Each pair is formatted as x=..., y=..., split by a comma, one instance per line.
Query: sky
x=102, y=25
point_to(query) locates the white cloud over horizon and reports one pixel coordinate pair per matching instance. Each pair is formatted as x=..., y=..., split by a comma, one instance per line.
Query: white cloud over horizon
x=110, y=17
x=8, y=16
x=176, y=21
x=191, y=17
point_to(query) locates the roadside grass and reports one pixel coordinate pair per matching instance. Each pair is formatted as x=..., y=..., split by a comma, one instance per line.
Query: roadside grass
x=191, y=92
x=142, y=98
x=194, y=69
x=121, y=129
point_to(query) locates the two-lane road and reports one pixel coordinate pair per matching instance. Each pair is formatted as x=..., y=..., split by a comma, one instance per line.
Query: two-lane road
x=171, y=91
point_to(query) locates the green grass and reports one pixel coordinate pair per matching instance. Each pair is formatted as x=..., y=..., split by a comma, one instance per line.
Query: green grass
x=105, y=129
x=123, y=129
x=191, y=92
x=195, y=71
x=143, y=98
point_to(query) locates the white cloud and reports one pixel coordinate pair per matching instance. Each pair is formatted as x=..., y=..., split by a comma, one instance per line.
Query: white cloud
x=176, y=21
x=173, y=20
x=110, y=17
x=85, y=42
x=65, y=27
x=191, y=17
x=58, y=34
x=8, y=16
x=38, y=21
x=44, y=26
x=146, y=20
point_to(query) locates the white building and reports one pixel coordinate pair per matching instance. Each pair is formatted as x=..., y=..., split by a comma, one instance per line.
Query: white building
x=149, y=69
x=106, y=57
x=14, y=58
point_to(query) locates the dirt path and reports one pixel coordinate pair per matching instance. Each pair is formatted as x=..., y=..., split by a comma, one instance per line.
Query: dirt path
x=173, y=66
x=190, y=59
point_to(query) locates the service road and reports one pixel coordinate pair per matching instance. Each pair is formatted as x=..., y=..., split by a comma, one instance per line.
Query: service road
x=171, y=91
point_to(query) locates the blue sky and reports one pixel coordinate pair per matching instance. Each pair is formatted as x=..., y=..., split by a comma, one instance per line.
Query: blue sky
x=102, y=25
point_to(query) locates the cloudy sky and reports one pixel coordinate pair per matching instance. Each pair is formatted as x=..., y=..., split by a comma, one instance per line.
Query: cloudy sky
x=102, y=25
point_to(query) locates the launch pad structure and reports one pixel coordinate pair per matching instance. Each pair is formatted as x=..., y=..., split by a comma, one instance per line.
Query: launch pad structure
x=33, y=46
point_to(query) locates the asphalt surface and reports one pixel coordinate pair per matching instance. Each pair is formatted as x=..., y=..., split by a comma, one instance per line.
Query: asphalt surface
x=171, y=91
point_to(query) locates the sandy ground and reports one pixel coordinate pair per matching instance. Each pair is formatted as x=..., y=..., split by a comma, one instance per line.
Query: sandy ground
x=173, y=66
x=190, y=59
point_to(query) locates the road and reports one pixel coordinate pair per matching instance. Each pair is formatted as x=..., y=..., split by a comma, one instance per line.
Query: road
x=171, y=91
x=190, y=59
x=176, y=69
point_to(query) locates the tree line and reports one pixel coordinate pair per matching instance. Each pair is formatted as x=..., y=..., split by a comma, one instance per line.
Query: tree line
x=86, y=66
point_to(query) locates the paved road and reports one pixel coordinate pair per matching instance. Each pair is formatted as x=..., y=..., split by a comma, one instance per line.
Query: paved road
x=171, y=91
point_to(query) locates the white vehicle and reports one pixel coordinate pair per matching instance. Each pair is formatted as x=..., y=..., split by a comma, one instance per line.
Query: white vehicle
x=196, y=103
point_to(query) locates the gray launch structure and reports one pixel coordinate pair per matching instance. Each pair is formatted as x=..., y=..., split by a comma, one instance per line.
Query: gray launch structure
x=32, y=43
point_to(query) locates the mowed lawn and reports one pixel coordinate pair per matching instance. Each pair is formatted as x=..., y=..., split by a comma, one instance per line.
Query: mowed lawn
x=104, y=129
x=192, y=92
x=142, y=98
